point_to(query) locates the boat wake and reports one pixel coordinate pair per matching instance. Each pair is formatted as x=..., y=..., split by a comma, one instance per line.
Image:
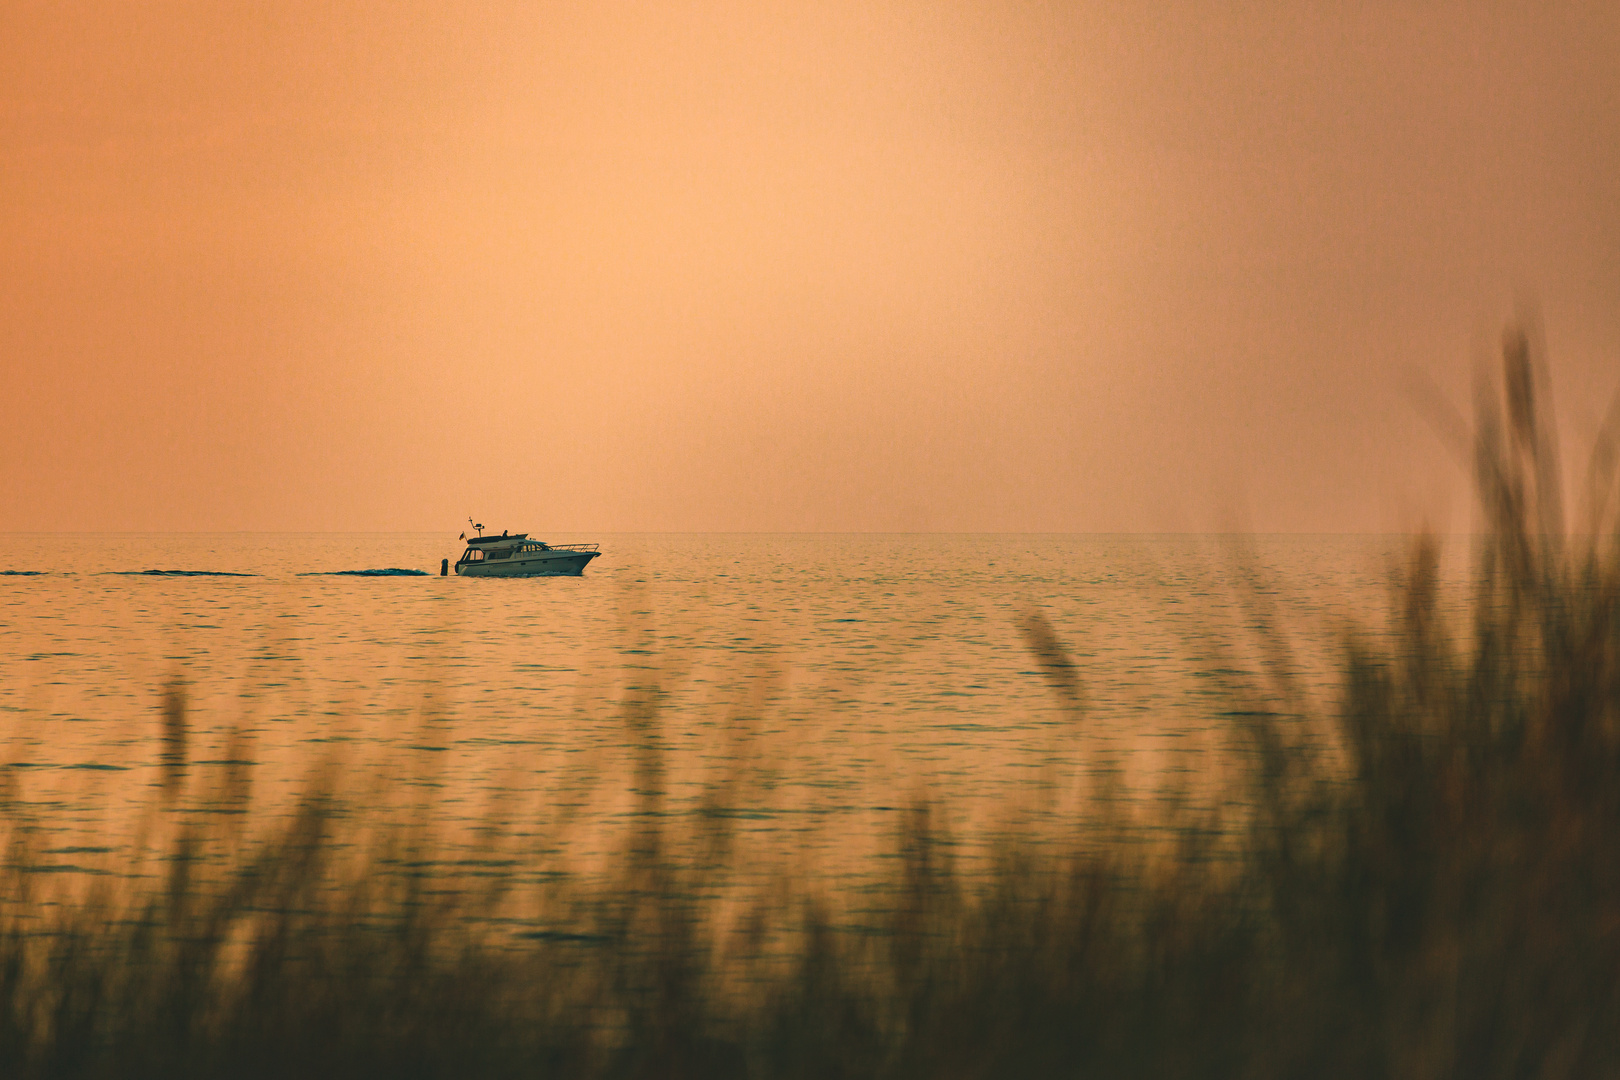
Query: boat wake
x=392, y=571
x=178, y=573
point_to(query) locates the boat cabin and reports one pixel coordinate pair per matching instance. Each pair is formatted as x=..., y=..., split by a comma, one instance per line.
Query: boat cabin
x=482, y=548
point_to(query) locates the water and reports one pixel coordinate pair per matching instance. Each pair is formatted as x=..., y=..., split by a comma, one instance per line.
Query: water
x=803, y=688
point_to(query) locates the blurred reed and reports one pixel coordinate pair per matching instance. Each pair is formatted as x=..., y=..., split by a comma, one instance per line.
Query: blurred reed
x=1437, y=896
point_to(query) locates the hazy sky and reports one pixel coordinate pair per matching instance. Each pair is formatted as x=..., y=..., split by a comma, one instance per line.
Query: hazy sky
x=573, y=267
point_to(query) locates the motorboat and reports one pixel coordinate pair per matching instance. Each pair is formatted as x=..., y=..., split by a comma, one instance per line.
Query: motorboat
x=515, y=555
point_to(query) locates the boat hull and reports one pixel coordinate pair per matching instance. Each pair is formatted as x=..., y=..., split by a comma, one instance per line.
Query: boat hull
x=538, y=564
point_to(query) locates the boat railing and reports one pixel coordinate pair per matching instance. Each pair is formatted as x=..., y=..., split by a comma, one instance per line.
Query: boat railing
x=575, y=547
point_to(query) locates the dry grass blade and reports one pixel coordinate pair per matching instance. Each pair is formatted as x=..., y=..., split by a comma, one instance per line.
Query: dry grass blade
x=1056, y=665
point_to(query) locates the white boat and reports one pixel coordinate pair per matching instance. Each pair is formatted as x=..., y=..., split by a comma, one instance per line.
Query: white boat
x=518, y=556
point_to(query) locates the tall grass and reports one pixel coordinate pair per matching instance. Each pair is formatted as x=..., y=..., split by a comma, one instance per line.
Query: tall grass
x=1427, y=883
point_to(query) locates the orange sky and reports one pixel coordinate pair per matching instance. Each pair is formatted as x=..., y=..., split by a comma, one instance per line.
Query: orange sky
x=575, y=267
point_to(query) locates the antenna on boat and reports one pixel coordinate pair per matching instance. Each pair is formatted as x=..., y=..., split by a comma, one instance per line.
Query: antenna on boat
x=480, y=528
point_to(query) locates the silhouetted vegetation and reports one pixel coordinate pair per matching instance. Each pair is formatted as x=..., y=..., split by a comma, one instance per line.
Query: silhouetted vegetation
x=1426, y=883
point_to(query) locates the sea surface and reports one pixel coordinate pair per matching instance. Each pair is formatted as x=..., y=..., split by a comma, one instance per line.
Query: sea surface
x=803, y=690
